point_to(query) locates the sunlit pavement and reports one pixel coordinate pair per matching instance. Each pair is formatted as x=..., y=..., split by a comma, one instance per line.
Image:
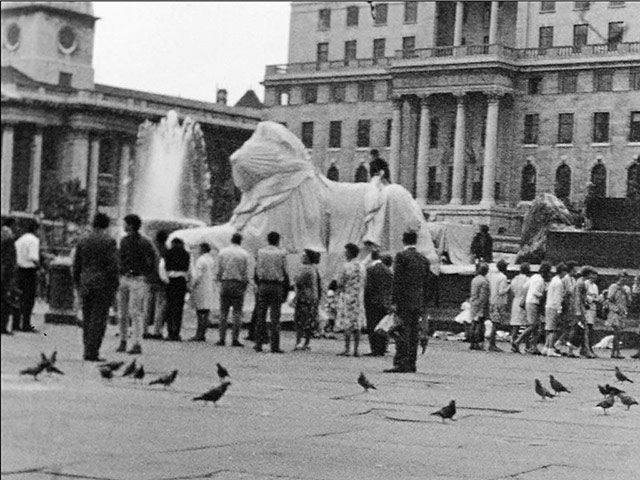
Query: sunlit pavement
x=302, y=415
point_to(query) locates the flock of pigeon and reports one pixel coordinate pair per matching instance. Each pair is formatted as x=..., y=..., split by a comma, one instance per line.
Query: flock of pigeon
x=610, y=392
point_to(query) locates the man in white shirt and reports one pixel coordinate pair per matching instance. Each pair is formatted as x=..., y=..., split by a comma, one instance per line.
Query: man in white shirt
x=553, y=308
x=533, y=308
x=28, y=261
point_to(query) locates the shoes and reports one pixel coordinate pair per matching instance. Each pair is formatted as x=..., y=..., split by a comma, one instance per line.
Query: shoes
x=197, y=339
x=277, y=351
x=177, y=338
x=515, y=348
x=355, y=354
x=636, y=356
x=6, y=332
x=135, y=350
x=258, y=348
x=552, y=353
x=220, y=343
x=237, y=344
x=152, y=336
x=533, y=351
x=399, y=370
x=369, y=354
x=343, y=354
x=94, y=359
x=122, y=348
x=619, y=357
x=493, y=348
x=30, y=330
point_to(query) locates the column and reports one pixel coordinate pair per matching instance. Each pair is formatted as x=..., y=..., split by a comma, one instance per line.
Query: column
x=493, y=25
x=35, y=172
x=7, y=167
x=490, y=151
x=457, y=33
x=394, y=158
x=92, y=178
x=123, y=178
x=423, y=149
x=458, y=153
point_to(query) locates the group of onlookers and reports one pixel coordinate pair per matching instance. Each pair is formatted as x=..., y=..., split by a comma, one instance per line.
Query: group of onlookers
x=557, y=306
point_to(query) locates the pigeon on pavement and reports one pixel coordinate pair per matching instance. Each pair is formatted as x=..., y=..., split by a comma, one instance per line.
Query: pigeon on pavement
x=214, y=394
x=222, y=372
x=557, y=386
x=165, y=380
x=609, y=390
x=621, y=377
x=130, y=370
x=607, y=403
x=138, y=374
x=34, y=371
x=105, y=372
x=447, y=412
x=365, y=383
x=627, y=400
x=543, y=392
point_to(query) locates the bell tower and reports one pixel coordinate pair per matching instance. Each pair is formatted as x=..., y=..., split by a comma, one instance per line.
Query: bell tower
x=51, y=42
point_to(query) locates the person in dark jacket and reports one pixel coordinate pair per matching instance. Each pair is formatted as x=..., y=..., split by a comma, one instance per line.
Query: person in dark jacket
x=482, y=246
x=377, y=299
x=410, y=293
x=95, y=275
x=176, y=267
x=8, y=273
x=379, y=166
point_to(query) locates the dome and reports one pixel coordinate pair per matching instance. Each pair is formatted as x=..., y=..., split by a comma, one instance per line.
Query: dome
x=80, y=8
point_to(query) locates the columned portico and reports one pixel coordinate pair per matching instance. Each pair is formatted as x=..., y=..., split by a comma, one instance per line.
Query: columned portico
x=394, y=158
x=35, y=171
x=457, y=33
x=490, y=151
x=92, y=177
x=493, y=24
x=423, y=149
x=458, y=151
x=7, y=166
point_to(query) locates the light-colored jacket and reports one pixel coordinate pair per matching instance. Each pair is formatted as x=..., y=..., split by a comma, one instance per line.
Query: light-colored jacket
x=203, y=283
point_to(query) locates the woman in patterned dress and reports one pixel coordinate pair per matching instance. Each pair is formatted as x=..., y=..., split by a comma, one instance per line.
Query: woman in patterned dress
x=308, y=293
x=350, y=305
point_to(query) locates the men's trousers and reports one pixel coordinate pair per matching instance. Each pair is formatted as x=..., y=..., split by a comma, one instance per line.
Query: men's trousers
x=407, y=340
x=132, y=299
x=231, y=297
x=176, y=290
x=27, y=281
x=377, y=342
x=95, y=313
x=269, y=298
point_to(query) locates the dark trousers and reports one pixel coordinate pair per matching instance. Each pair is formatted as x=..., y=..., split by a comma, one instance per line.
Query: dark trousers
x=95, y=313
x=407, y=340
x=269, y=297
x=27, y=281
x=231, y=297
x=176, y=290
x=377, y=342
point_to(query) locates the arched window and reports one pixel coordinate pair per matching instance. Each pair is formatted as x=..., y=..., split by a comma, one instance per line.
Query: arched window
x=563, y=181
x=528, y=192
x=599, y=180
x=633, y=180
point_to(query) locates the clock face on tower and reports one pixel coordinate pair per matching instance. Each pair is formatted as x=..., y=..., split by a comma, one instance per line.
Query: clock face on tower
x=67, y=41
x=12, y=37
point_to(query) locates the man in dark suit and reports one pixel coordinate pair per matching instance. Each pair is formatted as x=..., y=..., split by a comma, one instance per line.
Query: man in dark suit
x=377, y=299
x=410, y=291
x=95, y=275
x=379, y=166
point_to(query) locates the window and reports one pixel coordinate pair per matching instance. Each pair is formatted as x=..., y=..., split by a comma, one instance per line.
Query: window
x=434, y=189
x=599, y=180
x=581, y=5
x=387, y=136
x=379, y=47
x=565, y=128
x=324, y=19
x=616, y=33
x=568, y=82
x=338, y=92
x=335, y=134
x=408, y=47
x=528, y=189
x=547, y=6
x=634, y=129
x=410, y=12
x=64, y=79
x=603, y=81
x=352, y=16
x=534, y=85
x=365, y=91
x=601, y=127
x=322, y=53
x=634, y=80
x=580, y=34
x=307, y=134
x=486, y=15
x=350, y=48
x=452, y=134
x=380, y=13
x=310, y=94
x=563, y=181
x=283, y=96
x=364, y=129
x=545, y=37
x=633, y=180
x=434, y=130
x=531, y=128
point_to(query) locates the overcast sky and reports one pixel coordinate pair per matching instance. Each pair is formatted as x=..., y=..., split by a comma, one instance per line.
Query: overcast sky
x=188, y=48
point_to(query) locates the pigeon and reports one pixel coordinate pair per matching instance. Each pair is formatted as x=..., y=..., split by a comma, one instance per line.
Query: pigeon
x=365, y=383
x=44, y=360
x=165, y=380
x=53, y=369
x=35, y=371
x=113, y=366
x=627, y=400
x=609, y=390
x=214, y=394
x=54, y=357
x=543, y=392
x=222, y=372
x=557, y=386
x=130, y=370
x=607, y=403
x=106, y=372
x=447, y=412
x=139, y=374
x=622, y=377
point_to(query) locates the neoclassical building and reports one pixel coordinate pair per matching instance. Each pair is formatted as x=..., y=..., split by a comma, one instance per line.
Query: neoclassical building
x=58, y=124
x=478, y=106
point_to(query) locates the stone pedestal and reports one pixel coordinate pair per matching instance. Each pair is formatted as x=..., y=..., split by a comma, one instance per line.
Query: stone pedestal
x=505, y=219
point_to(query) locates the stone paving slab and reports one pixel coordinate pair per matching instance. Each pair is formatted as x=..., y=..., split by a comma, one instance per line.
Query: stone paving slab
x=301, y=415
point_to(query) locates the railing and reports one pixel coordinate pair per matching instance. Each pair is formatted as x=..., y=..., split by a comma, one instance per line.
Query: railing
x=462, y=51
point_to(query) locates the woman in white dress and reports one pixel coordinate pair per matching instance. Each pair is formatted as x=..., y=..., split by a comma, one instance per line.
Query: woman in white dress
x=519, y=286
x=202, y=287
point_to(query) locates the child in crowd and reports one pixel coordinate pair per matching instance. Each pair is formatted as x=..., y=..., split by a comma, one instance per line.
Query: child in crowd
x=331, y=308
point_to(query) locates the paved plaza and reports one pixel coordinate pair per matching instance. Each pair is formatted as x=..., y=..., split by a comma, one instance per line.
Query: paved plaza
x=303, y=416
